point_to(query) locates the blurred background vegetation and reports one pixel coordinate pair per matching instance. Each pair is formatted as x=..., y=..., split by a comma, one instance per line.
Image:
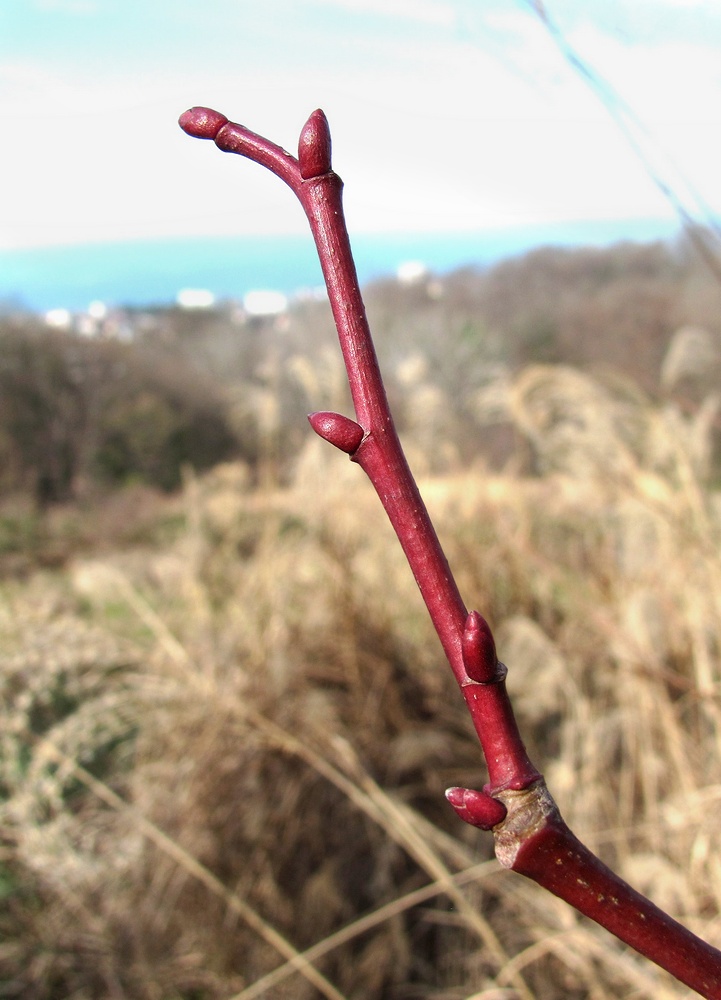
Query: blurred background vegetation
x=199, y=386
x=227, y=726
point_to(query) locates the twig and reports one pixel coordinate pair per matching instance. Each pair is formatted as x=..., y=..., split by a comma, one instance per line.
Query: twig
x=530, y=834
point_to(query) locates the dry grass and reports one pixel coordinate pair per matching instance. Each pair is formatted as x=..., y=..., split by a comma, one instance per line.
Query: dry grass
x=223, y=760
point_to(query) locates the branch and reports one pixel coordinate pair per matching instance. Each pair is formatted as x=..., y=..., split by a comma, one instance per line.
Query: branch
x=530, y=834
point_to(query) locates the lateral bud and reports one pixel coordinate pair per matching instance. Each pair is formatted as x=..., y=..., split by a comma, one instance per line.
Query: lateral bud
x=479, y=650
x=314, y=146
x=340, y=431
x=476, y=808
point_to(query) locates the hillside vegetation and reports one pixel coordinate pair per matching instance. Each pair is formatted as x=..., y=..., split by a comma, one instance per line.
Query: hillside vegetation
x=227, y=725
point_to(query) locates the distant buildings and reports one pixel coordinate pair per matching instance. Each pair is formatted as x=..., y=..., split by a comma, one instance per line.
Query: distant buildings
x=265, y=303
x=195, y=298
x=123, y=323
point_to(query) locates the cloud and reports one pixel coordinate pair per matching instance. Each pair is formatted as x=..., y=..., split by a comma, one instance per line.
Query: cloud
x=423, y=11
x=73, y=7
x=433, y=128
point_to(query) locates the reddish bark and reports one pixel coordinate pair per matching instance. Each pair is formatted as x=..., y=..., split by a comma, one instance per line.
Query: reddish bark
x=530, y=836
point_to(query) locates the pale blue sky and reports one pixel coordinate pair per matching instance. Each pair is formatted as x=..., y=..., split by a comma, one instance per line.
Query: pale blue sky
x=445, y=114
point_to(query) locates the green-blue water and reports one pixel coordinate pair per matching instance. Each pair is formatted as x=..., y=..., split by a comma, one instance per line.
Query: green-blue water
x=153, y=272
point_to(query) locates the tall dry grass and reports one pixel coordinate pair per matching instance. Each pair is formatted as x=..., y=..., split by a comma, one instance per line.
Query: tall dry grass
x=223, y=759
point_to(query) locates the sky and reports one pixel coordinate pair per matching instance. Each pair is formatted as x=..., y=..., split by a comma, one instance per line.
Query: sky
x=445, y=114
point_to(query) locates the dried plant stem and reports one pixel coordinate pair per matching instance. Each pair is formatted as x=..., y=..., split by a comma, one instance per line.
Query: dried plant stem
x=356, y=784
x=530, y=835
x=190, y=864
x=364, y=924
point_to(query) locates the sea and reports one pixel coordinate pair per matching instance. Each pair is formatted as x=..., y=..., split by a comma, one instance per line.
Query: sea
x=152, y=273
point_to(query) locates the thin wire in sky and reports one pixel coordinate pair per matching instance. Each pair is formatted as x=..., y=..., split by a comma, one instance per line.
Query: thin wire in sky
x=699, y=222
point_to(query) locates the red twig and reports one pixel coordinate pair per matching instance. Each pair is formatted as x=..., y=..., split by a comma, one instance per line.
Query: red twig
x=530, y=835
